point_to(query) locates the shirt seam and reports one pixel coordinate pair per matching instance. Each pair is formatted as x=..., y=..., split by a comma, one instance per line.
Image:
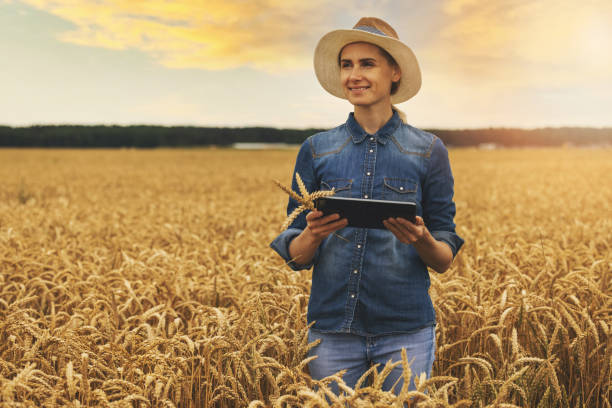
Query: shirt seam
x=427, y=154
x=316, y=155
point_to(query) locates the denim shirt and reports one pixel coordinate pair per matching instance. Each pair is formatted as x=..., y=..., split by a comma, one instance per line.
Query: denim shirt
x=365, y=281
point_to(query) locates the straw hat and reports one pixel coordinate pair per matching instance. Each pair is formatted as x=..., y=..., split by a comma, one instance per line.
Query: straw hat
x=371, y=30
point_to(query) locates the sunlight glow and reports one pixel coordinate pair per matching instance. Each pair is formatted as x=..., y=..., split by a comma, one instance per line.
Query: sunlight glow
x=523, y=43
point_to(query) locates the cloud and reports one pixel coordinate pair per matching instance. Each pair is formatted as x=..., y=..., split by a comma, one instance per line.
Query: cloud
x=510, y=41
x=526, y=43
x=211, y=34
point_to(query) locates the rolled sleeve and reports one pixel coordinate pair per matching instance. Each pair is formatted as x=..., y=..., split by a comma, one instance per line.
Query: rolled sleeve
x=281, y=246
x=303, y=166
x=453, y=240
x=438, y=206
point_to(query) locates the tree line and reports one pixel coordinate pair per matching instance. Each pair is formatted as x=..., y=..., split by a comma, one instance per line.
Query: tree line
x=145, y=136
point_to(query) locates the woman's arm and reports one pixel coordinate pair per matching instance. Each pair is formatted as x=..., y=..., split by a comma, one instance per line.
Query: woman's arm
x=303, y=247
x=436, y=254
x=437, y=242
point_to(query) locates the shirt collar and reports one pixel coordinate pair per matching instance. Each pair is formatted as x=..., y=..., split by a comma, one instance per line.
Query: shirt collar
x=383, y=134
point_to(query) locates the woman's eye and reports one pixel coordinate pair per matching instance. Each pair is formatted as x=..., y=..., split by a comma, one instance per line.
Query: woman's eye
x=345, y=65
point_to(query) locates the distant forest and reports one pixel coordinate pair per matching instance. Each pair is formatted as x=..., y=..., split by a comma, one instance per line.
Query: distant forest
x=186, y=136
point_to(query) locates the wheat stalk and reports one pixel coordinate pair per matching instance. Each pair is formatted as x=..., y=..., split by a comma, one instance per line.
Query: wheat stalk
x=102, y=306
x=306, y=199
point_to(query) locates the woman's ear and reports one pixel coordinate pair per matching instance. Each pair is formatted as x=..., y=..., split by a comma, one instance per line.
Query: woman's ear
x=396, y=74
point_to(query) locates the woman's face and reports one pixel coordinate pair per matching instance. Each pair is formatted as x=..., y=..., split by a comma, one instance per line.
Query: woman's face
x=366, y=75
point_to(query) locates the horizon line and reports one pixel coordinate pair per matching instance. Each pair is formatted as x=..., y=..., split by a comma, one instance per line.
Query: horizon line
x=607, y=127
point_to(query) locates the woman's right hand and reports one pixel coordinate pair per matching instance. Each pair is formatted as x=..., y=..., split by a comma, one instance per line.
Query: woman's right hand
x=321, y=226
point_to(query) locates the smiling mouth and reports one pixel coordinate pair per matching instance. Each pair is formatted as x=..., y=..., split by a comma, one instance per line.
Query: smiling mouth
x=361, y=88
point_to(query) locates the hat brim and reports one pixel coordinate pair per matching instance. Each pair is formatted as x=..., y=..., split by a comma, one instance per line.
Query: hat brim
x=327, y=68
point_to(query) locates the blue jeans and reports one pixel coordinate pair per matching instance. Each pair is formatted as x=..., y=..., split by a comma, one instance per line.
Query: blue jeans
x=339, y=351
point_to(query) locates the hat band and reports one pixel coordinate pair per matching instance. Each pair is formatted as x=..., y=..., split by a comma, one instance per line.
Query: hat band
x=369, y=29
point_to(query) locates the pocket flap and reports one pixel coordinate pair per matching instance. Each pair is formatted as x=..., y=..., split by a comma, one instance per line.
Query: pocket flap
x=337, y=184
x=400, y=185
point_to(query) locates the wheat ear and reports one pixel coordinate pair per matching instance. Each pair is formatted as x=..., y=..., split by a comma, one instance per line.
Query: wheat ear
x=306, y=200
x=291, y=193
x=302, y=187
x=294, y=214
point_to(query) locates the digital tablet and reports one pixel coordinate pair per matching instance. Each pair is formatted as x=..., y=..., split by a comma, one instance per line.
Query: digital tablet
x=366, y=213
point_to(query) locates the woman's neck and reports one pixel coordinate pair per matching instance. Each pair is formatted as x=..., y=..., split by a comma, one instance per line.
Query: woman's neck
x=372, y=118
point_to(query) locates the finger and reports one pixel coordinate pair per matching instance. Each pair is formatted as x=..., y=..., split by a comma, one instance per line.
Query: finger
x=341, y=223
x=406, y=224
x=402, y=223
x=319, y=222
x=396, y=230
x=415, y=231
x=314, y=214
x=401, y=232
x=393, y=222
x=419, y=221
x=316, y=221
x=333, y=225
x=330, y=227
x=330, y=218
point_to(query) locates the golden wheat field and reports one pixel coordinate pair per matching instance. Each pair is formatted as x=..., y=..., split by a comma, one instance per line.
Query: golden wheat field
x=144, y=278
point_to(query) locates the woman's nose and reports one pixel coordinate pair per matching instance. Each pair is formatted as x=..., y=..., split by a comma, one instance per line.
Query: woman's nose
x=355, y=74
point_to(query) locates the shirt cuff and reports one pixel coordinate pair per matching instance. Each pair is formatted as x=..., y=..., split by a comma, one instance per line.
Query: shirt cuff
x=281, y=246
x=454, y=241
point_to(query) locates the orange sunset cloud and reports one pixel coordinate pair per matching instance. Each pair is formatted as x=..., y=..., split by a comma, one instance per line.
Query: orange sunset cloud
x=215, y=34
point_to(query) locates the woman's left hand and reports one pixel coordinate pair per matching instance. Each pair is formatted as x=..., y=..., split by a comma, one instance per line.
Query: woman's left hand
x=406, y=231
x=435, y=254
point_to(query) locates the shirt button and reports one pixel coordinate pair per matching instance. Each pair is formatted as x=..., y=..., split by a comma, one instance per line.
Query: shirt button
x=371, y=138
x=358, y=246
x=355, y=271
x=401, y=188
x=371, y=151
x=368, y=173
x=365, y=196
x=353, y=295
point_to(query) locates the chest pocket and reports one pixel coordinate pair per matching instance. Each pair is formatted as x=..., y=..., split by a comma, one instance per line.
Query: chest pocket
x=341, y=186
x=399, y=189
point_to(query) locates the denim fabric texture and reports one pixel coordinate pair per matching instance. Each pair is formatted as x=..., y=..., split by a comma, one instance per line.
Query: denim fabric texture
x=346, y=351
x=365, y=281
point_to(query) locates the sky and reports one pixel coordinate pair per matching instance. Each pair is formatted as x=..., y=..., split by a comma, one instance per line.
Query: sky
x=484, y=63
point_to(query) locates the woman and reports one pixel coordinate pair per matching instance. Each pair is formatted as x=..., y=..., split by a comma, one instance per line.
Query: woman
x=369, y=296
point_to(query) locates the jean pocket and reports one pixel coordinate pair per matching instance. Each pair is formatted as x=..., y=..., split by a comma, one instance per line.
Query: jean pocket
x=342, y=187
x=399, y=189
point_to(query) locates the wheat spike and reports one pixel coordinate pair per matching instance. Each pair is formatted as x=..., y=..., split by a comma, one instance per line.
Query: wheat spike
x=515, y=344
x=302, y=187
x=294, y=214
x=71, y=381
x=306, y=199
x=84, y=378
x=289, y=191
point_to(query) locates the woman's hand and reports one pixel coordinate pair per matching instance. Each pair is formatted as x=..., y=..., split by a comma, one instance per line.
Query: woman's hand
x=436, y=254
x=406, y=231
x=321, y=226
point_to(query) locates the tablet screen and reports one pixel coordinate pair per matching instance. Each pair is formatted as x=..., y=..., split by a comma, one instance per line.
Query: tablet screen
x=366, y=213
